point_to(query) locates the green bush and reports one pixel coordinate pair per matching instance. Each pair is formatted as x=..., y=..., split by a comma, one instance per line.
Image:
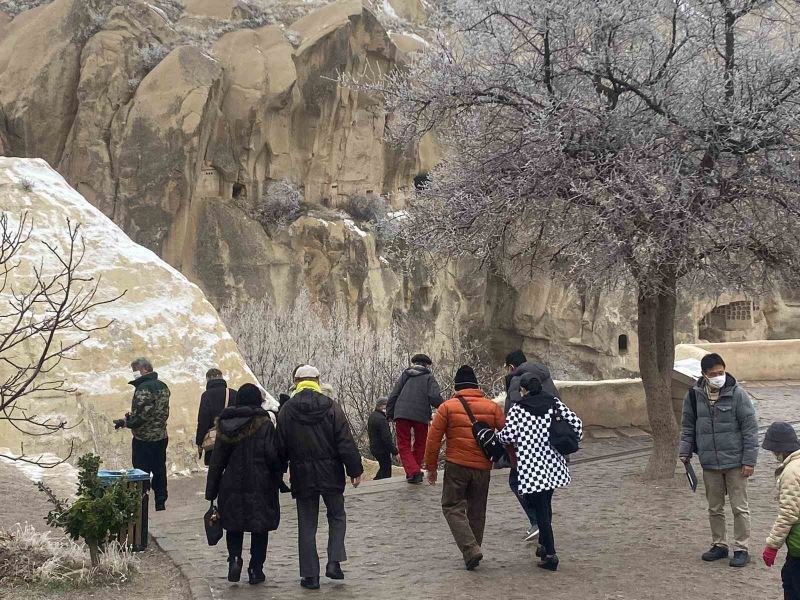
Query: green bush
x=98, y=513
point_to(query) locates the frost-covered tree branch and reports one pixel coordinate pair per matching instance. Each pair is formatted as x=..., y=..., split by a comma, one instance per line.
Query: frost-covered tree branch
x=654, y=143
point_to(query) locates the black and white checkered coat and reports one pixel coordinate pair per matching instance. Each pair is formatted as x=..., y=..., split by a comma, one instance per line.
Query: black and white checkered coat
x=540, y=466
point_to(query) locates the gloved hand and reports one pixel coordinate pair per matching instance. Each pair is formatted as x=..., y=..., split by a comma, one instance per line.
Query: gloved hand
x=769, y=556
x=119, y=423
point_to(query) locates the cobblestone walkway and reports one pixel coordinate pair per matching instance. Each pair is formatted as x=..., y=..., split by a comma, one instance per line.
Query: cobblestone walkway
x=618, y=538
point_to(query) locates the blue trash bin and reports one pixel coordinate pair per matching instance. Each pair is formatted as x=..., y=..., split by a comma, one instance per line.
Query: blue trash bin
x=135, y=535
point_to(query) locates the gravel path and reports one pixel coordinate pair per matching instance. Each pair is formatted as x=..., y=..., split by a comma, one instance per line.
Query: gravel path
x=618, y=538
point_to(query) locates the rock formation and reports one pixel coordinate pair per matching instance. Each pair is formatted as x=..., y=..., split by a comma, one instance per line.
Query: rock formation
x=161, y=315
x=175, y=118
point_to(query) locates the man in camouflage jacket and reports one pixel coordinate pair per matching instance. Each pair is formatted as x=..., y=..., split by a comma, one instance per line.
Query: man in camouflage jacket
x=147, y=420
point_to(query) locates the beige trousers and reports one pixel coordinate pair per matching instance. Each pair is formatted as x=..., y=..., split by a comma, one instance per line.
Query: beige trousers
x=734, y=484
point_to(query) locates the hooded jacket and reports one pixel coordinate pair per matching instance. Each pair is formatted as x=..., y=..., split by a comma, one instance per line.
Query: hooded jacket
x=245, y=471
x=541, y=467
x=726, y=434
x=540, y=371
x=451, y=421
x=785, y=528
x=413, y=396
x=316, y=440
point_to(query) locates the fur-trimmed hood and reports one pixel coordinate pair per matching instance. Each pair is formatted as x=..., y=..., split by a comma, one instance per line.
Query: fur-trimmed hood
x=239, y=422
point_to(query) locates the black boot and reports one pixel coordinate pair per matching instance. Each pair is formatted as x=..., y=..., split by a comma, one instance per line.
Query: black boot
x=334, y=571
x=310, y=583
x=234, y=568
x=548, y=562
x=255, y=574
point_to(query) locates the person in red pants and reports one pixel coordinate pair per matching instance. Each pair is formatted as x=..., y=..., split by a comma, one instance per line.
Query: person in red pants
x=413, y=396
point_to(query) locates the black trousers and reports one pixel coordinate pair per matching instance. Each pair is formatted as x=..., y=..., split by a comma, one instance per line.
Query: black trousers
x=385, y=462
x=151, y=457
x=307, y=521
x=790, y=574
x=258, y=546
x=542, y=504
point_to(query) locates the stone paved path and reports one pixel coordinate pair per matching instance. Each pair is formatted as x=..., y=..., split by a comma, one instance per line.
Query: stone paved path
x=618, y=538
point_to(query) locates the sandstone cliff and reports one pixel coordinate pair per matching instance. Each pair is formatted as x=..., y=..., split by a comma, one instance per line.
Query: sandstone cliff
x=175, y=118
x=162, y=315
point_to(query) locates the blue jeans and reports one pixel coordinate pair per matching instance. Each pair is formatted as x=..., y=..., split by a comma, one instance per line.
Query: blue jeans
x=513, y=483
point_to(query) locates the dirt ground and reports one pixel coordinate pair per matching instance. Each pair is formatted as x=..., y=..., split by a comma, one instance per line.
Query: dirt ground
x=156, y=578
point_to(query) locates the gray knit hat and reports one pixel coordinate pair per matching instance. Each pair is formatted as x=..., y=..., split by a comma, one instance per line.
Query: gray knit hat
x=781, y=437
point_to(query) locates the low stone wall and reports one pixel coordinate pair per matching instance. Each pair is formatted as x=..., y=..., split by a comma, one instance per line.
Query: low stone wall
x=607, y=403
x=763, y=360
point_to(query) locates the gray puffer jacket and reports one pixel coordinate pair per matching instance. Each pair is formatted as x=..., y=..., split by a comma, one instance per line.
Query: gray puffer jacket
x=413, y=395
x=541, y=372
x=725, y=435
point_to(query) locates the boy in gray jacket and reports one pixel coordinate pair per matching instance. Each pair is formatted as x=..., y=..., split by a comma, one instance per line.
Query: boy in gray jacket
x=719, y=425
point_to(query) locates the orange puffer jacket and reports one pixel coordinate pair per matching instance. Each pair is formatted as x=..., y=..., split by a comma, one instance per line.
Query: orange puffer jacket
x=451, y=421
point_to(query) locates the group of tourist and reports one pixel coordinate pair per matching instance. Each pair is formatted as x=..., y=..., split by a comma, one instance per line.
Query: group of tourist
x=252, y=448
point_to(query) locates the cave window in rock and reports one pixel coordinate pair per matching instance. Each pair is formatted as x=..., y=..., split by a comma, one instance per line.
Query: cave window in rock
x=239, y=191
x=622, y=344
x=421, y=180
x=210, y=182
x=739, y=316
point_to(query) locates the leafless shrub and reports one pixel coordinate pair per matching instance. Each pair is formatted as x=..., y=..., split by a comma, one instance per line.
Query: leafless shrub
x=152, y=54
x=15, y=7
x=369, y=207
x=280, y=204
x=359, y=363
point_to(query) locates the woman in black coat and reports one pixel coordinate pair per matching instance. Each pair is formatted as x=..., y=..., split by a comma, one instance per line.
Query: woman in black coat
x=243, y=477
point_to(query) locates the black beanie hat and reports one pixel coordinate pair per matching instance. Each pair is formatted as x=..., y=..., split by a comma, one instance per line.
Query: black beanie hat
x=421, y=359
x=516, y=358
x=249, y=395
x=781, y=437
x=530, y=382
x=465, y=378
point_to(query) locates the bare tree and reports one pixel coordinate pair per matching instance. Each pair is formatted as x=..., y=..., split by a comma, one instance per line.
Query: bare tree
x=44, y=317
x=359, y=363
x=650, y=144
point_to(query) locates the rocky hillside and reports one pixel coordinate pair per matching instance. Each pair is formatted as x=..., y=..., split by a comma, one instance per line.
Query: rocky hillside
x=161, y=315
x=213, y=133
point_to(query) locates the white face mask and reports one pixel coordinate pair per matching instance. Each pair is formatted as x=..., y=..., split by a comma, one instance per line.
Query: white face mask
x=716, y=382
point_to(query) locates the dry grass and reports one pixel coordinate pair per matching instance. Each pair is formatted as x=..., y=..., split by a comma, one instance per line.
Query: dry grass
x=30, y=557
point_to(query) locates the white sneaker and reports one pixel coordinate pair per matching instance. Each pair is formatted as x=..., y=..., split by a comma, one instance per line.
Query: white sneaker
x=532, y=534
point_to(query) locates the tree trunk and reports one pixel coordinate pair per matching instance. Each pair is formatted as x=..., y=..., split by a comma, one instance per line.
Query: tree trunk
x=93, y=552
x=656, y=359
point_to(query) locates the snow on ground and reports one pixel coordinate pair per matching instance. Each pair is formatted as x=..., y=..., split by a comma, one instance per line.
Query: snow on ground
x=350, y=224
x=64, y=472
x=389, y=10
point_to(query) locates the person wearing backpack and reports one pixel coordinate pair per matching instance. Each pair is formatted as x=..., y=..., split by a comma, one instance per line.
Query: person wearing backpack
x=781, y=440
x=719, y=424
x=541, y=466
x=467, y=469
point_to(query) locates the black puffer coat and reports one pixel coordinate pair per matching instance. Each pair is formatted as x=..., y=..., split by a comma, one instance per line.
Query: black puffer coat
x=212, y=403
x=246, y=470
x=316, y=440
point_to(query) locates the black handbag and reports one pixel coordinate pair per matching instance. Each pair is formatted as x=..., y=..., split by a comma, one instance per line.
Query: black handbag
x=563, y=438
x=213, y=525
x=485, y=436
